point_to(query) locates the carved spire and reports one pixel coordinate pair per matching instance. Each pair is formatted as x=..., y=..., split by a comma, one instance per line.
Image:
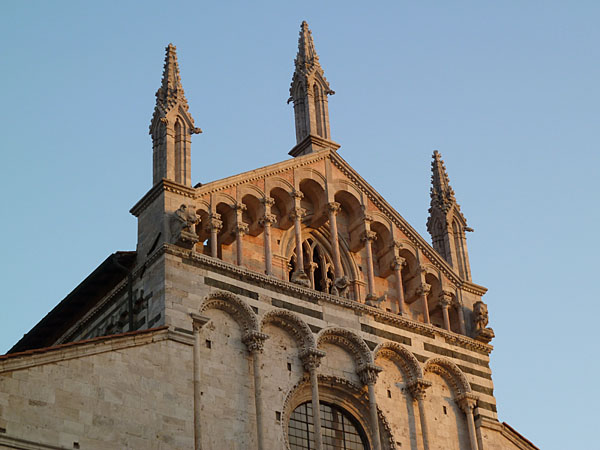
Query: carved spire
x=171, y=126
x=446, y=223
x=309, y=91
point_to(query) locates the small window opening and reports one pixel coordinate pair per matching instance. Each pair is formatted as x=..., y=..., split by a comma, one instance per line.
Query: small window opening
x=445, y=410
x=2, y=430
x=75, y=444
x=289, y=366
x=208, y=344
x=277, y=416
x=389, y=393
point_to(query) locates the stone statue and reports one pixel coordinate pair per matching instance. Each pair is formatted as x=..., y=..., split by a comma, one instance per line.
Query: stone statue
x=480, y=318
x=182, y=224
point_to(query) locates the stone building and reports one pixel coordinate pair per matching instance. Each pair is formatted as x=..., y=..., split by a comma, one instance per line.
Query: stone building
x=252, y=299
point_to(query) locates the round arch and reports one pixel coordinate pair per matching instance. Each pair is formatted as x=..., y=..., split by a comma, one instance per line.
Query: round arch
x=451, y=373
x=407, y=361
x=350, y=341
x=238, y=309
x=293, y=324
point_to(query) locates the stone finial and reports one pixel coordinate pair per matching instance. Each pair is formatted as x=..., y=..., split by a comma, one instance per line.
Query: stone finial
x=446, y=223
x=171, y=126
x=309, y=91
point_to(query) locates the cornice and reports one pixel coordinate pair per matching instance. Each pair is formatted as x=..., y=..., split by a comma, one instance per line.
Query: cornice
x=163, y=185
x=246, y=275
x=404, y=226
x=261, y=173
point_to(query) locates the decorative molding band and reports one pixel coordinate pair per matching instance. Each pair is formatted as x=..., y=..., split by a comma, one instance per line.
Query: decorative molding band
x=295, y=290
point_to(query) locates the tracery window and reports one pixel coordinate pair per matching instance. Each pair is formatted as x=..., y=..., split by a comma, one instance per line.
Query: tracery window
x=318, y=265
x=339, y=429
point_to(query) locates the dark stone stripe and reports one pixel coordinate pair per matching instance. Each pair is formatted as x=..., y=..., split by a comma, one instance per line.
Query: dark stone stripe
x=477, y=373
x=370, y=344
x=465, y=369
x=153, y=320
x=402, y=327
x=385, y=334
x=486, y=405
x=453, y=354
x=231, y=288
x=297, y=308
x=482, y=389
x=315, y=329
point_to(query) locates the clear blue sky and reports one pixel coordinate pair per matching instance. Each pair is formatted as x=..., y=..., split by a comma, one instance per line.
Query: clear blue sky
x=507, y=91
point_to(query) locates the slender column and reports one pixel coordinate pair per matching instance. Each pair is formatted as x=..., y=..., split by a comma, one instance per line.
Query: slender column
x=417, y=389
x=214, y=226
x=423, y=292
x=299, y=275
x=397, y=264
x=461, y=315
x=368, y=237
x=241, y=229
x=266, y=221
x=255, y=343
x=311, y=360
x=333, y=209
x=467, y=403
x=368, y=376
x=198, y=322
x=445, y=302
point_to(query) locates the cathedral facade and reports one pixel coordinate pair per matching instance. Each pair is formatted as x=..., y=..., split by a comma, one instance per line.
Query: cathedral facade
x=288, y=307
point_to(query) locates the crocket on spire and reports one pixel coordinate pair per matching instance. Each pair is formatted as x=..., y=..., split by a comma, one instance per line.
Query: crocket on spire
x=446, y=223
x=172, y=126
x=309, y=91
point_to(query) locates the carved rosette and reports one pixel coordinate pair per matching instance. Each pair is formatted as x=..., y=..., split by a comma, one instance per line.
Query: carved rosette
x=311, y=358
x=418, y=388
x=368, y=373
x=255, y=341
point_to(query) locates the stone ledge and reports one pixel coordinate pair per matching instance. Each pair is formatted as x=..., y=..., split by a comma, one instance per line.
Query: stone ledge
x=72, y=350
x=294, y=290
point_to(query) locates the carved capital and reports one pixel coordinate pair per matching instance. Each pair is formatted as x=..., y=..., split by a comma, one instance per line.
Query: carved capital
x=214, y=223
x=396, y=245
x=239, y=207
x=445, y=299
x=334, y=207
x=418, y=388
x=255, y=341
x=424, y=289
x=467, y=402
x=268, y=201
x=398, y=263
x=297, y=194
x=241, y=229
x=269, y=219
x=368, y=373
x=368, y=235
x=198, y=321
x=311, y=358
x=297, y=213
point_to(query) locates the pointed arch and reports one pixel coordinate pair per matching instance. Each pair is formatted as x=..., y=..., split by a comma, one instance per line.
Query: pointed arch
x=349, y=341
x=237, y=308
x=407, y=361
x=291, y=323
x=451, y=373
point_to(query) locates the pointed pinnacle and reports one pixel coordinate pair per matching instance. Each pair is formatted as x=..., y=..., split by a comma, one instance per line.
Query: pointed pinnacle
x=442, y=194
x=171, y=90
x=307, y=56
